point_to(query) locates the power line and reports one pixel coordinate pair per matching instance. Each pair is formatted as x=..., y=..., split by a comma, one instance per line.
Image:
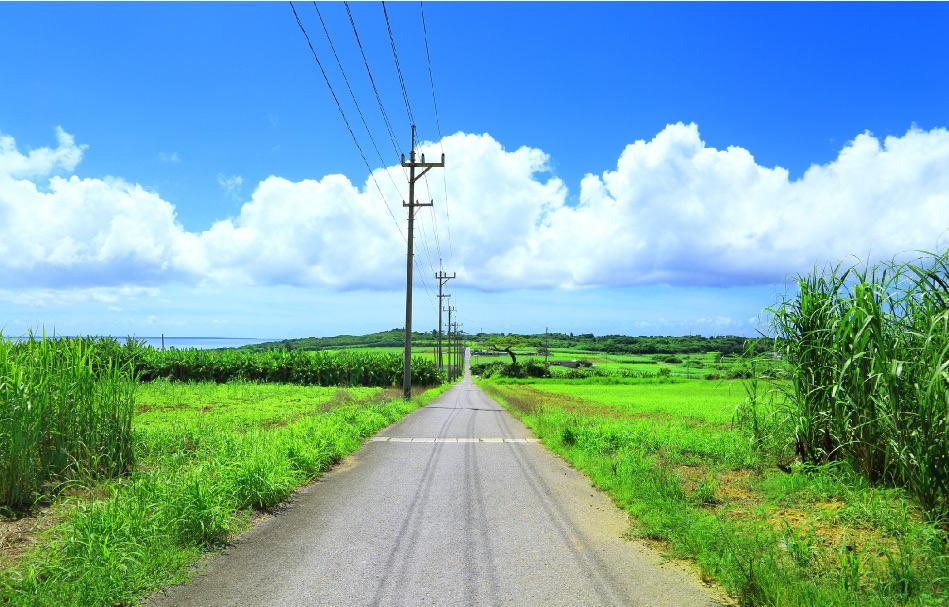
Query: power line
x=438, y=243
x=405, y=95
x=385, y=117
x=438, y=125
x=427, y=287
x=343, y=114
x=425, y=284
x=352, y=94
x=428, y=253
x=428, y=56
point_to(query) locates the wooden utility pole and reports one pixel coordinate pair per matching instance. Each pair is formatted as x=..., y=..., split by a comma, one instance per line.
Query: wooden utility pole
x=442, y=279
x=412, y=204
x=546, y=351
x=459, y=351
x=449, y=309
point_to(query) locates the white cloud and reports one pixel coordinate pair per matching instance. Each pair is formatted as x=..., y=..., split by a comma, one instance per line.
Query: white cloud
x=231, y=184
x=310, y=232
x=41, y=162
x=80, y=232
x=673, y=211
x=46, y=297
x=172, y=158
x=497, y=204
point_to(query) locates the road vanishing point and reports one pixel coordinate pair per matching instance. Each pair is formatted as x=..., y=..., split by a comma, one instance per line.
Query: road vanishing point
x=455, y=505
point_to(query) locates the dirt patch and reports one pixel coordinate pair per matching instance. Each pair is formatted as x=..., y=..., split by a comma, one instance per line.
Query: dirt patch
x=817, y=524
x=20, y=533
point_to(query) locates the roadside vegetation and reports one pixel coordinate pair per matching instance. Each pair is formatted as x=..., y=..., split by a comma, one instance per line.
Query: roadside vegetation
x=817, y=476
x=866, y=378
x=573, y=364
x=807, y=468
x=772, y=532
x=111, y=487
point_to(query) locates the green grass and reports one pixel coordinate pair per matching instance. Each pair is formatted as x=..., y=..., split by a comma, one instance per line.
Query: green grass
x=709, y=491
x=208, y=457
x=708, y=401
x=691, y=366
x=236, y=406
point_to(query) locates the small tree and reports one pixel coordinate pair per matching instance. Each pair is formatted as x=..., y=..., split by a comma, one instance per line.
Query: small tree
x=508, y=343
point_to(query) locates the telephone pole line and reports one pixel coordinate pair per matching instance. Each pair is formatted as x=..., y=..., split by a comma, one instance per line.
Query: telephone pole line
x=412, y=165
x=459, y=350
x=546, y=351
x=449, y=310
x=442, y=279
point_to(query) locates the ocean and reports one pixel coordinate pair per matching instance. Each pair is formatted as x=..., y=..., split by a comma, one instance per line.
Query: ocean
x=201, y=343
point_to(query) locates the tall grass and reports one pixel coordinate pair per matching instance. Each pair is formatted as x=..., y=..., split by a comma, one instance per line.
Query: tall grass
x=197, y=482
x=66, y=404
x=65, y=413
x=866, y=353
x=667, y=455
x=276, y=366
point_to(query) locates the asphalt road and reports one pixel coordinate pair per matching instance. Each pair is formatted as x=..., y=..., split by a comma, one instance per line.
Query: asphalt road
x=455, y=505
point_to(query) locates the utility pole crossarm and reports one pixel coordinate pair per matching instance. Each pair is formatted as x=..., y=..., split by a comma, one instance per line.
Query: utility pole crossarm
x=428, y=166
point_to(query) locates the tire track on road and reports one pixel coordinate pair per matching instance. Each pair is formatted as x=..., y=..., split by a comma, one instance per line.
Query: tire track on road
x=407, y=537
x=477, y=526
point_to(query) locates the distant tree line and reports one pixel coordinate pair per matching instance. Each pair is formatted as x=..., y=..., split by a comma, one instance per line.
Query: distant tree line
x=623, y=344
x=610, y=344
x=394, y=338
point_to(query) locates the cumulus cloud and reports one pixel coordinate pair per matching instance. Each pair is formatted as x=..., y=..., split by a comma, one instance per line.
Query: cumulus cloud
x=498, y=200
x=678, y=212
x=673, y=211
x=80, y=232
x=324, y=232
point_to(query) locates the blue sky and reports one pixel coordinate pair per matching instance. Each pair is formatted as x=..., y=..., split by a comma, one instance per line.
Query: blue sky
x=630, y=168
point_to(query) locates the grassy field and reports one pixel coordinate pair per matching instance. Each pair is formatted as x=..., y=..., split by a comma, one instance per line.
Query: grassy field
x=703, y=488
x=821, y=480
x=711, y=365
x=208, y=458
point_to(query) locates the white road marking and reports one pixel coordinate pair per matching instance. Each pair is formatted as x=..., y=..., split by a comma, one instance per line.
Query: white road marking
x=400, y=439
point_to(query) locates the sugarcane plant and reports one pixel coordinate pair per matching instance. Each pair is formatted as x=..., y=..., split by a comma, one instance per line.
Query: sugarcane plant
x=865, y=354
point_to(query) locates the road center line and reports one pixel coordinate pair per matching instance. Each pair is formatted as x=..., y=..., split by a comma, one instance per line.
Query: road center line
x=399, y=439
